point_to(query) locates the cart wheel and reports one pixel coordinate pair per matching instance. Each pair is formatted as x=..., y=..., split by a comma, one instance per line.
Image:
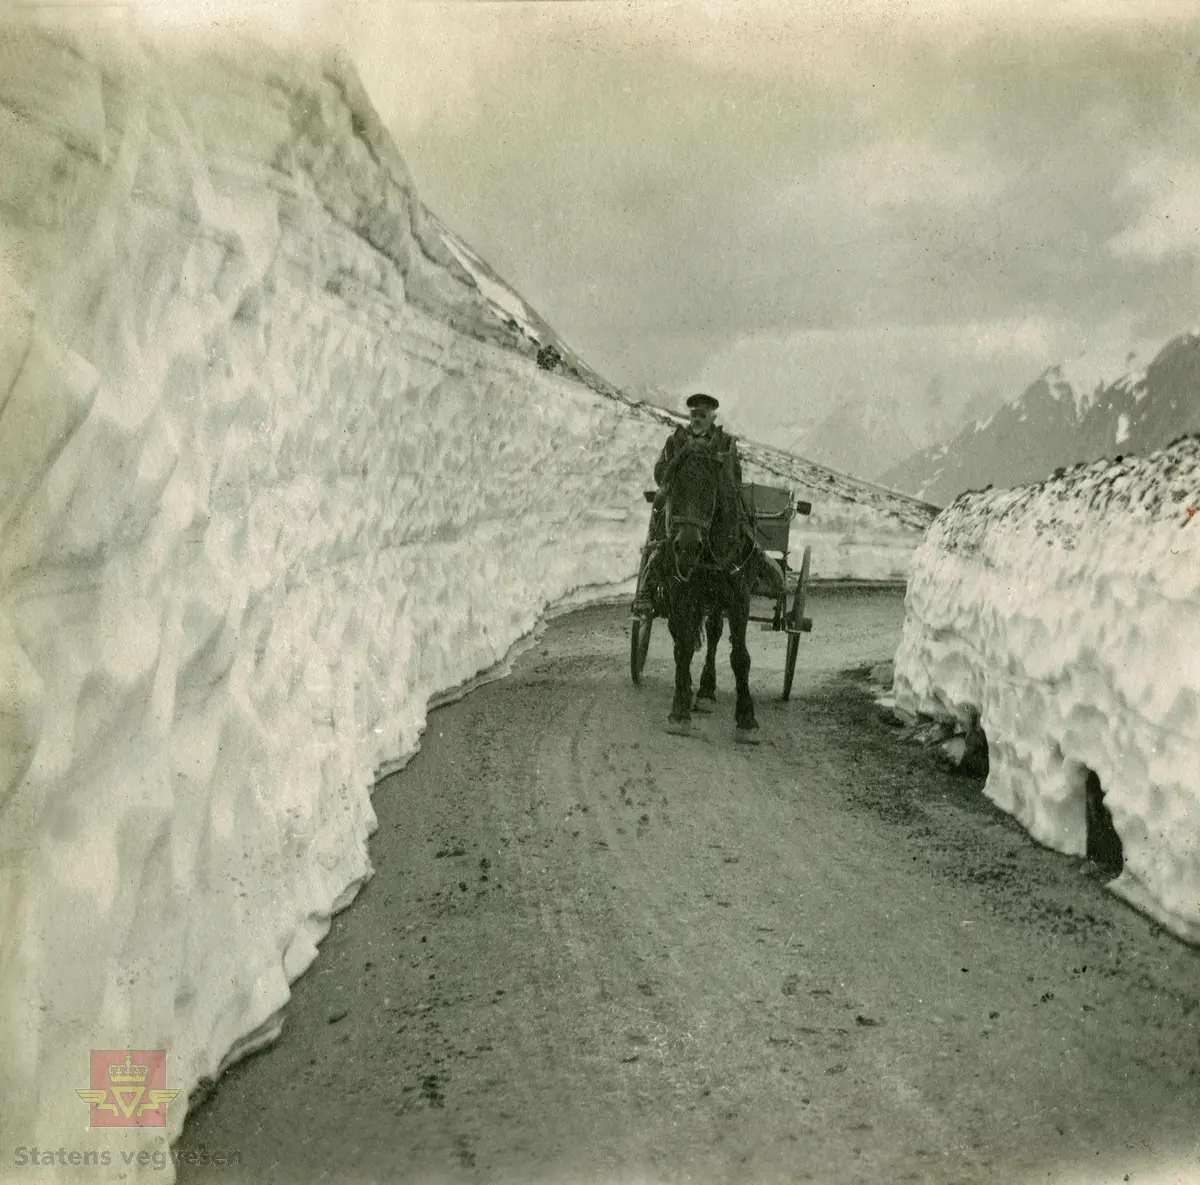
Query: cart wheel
x=639, y=635
x=639, y=644
x=796, y=621
x=789, y=668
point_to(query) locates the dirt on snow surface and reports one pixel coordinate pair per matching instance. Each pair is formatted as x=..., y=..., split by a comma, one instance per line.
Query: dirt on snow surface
x=595, y=953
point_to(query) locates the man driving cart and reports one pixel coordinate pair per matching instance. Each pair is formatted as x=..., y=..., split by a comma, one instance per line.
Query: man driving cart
x=701, y=431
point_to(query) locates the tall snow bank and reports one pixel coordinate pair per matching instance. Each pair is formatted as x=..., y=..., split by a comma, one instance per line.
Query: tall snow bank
x=268, y=483
x=1068, y=615
x=257, y=505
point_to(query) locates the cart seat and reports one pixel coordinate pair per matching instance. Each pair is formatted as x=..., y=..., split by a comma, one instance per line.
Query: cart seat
x=770, y=509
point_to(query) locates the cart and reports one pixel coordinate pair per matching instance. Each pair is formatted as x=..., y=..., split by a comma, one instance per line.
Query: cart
x=770, y=509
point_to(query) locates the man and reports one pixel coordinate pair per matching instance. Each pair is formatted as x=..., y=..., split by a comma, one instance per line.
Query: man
x=702, y=431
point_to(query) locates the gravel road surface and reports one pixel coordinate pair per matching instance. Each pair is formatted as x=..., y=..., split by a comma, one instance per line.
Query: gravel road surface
x=598, y=954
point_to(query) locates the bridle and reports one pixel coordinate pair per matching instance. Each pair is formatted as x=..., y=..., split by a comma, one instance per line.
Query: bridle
x=703, y=525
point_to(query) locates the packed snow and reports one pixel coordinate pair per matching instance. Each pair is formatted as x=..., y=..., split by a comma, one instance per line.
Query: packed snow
x=268, y=486
x=1066, y=616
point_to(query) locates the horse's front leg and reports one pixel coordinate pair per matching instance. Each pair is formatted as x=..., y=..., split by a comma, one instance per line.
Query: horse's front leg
x=683, y=623
x=739, y=659
x=707, y=693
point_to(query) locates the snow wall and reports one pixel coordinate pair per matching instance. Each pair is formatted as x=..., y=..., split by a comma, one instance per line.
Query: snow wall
x=268, y=483
x=1067, y=615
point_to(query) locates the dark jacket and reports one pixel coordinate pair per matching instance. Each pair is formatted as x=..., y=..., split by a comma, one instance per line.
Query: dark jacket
x=716, y=438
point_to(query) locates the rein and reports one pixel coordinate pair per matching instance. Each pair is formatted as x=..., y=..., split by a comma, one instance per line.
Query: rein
x=705, y=525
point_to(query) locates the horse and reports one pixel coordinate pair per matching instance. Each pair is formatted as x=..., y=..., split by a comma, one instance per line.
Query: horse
x=708, y=577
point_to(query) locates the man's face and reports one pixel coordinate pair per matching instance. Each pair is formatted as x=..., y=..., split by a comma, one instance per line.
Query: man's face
x=701, y=419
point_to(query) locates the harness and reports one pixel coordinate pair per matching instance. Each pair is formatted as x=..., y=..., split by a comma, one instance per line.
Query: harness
x=704, y=526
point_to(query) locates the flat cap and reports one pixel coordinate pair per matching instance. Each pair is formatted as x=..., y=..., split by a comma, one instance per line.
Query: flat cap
x=702, y=400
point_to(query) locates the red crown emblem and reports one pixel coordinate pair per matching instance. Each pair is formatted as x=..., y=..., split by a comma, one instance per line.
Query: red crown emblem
x=128, y=1093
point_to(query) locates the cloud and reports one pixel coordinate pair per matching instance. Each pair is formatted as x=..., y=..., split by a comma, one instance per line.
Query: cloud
x=421, y=60
x=888, y=175
x=826, y=39
x=1169, y=223
x=1025, y=337
x=805, y=370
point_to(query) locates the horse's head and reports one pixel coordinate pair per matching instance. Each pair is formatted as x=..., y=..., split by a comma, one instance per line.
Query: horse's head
x=696, y=489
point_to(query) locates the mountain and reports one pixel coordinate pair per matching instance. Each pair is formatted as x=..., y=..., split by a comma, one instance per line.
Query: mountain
x=864, y=435
x=1090, y=407
x=980, y=405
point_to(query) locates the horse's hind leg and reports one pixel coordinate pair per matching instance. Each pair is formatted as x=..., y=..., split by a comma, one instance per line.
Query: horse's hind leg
x=707, y=694
x=739, y=659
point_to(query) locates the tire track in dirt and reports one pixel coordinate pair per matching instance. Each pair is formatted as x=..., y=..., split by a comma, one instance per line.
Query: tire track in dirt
x=685, y=1046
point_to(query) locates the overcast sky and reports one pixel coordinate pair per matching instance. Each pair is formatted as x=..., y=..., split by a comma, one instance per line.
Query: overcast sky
x=784, y=203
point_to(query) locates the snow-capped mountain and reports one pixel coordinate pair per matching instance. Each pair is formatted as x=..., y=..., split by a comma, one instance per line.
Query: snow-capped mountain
x=1090, y=407
x=863, y=435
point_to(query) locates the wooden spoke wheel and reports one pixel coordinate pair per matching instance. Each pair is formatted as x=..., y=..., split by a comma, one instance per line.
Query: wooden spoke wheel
x=639, y=644
x=639, y=634
x=797, y=623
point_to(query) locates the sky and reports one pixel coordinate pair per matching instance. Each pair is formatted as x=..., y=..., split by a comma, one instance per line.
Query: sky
x=791, y=204
x=788, y=204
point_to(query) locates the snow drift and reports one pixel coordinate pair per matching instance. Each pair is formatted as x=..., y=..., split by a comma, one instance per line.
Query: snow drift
x=274, y=471
x=1067, y=614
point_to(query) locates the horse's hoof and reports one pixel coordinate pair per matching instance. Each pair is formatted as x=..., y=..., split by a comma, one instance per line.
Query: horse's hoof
x=679, y=728
x=747, y=736
x=704, y=704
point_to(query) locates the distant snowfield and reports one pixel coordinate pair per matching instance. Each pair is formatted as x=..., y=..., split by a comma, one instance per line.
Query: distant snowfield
x=1068, y=616
x=273, y=474
x=1100, y=366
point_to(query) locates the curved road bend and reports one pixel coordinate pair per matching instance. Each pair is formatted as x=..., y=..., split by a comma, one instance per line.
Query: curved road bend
x=597, y=953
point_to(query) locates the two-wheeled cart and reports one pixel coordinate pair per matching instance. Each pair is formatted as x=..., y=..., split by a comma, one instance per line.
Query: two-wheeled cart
x=770, y=509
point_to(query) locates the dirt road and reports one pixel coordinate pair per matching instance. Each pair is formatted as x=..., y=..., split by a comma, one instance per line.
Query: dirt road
x=597, y=953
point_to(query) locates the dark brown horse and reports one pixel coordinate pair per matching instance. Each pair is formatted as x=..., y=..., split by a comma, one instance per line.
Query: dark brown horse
x=708, y=563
